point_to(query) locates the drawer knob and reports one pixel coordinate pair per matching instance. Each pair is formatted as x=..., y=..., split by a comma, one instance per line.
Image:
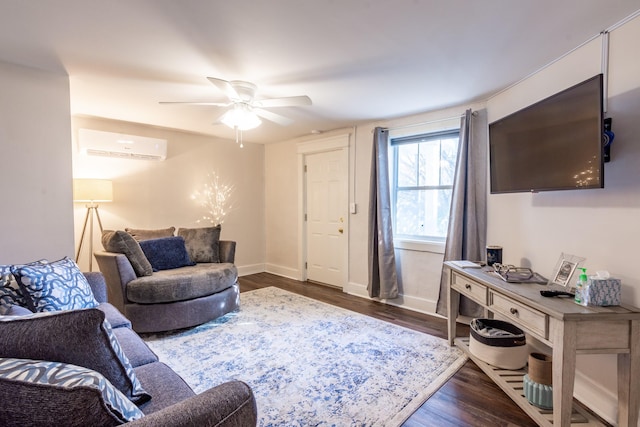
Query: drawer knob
x=467, y=287
x=513, y=311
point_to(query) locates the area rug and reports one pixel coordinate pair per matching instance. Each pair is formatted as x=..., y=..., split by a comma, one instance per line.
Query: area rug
x=311, y=363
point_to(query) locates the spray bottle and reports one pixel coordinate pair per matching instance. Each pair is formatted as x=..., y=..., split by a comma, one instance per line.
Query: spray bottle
x=581, y=286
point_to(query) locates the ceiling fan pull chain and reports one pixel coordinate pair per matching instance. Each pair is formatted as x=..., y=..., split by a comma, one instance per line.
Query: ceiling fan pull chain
x=238, y=136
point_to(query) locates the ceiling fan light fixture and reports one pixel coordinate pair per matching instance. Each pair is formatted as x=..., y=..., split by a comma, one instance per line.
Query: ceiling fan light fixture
x=241, y=117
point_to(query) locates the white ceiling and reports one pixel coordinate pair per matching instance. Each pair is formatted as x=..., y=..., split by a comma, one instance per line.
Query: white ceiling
x=358, y=60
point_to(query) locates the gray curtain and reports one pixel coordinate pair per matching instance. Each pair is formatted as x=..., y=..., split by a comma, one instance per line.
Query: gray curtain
x=383, y=281
x=467, y=233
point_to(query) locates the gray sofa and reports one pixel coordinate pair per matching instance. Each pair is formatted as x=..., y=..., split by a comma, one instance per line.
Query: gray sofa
x=66, y=334
x=176, y=298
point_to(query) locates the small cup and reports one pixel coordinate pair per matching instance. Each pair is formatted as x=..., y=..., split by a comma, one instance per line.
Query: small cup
x=494, y=255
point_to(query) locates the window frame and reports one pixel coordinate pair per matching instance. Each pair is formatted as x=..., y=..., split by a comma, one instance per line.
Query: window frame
x=406, y=241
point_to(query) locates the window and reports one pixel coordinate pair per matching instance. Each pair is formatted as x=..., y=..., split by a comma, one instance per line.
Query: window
x=422, y=168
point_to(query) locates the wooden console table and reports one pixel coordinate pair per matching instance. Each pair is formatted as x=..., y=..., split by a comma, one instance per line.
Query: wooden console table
x=563, y=325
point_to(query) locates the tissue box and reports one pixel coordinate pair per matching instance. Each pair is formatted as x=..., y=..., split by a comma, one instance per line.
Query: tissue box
x=602, y=292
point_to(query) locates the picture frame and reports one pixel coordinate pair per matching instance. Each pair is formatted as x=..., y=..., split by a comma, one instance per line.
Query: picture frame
x=565, y=267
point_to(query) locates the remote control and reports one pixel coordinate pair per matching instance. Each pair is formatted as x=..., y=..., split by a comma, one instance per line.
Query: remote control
x=557, y=294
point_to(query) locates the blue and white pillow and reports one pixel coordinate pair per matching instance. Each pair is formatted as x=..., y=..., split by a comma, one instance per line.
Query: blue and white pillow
x=59, y=285
x=10, y=293
x=138, y=394
x=16, y=310
x=25, y=373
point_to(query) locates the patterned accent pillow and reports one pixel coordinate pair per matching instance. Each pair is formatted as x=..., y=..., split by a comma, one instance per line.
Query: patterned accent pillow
x=142, y=234
x=60, y=382
x=16, y=310
x=78, y=337
x=10, y=293
x=59, y=285
x=166, y=253
x=122, y=242
x=138, y=394
x=203, y=244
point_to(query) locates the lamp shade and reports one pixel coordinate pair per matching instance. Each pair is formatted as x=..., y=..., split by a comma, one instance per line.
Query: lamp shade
x=92, y=190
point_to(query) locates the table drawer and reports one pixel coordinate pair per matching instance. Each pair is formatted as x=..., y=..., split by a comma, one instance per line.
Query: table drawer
x=522, y=315
x=469, y=288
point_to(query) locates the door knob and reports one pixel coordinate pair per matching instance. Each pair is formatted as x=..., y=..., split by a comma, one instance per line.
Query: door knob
x=340, y=230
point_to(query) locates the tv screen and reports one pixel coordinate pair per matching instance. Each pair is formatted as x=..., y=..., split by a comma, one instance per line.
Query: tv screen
x=554, y=144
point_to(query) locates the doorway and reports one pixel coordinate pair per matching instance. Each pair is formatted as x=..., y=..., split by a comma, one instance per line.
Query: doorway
x=325, y=211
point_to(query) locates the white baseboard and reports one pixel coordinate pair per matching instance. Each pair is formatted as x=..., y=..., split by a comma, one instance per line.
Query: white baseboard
x=597, y=398
x=288, y=272
x=356, y=289
x=420, y=305
x=245, y=270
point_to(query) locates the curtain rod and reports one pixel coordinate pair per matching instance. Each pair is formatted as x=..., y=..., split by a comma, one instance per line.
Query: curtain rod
x=474, y=113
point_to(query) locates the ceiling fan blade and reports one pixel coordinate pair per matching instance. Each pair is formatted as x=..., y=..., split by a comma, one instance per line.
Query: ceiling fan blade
x=287, y=101
x=225, y=87
x=215, y=104
x=276, y=118
x=218, y=119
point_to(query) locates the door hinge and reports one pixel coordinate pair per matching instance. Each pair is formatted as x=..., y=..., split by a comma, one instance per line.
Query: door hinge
x=305, y=168
x=305, y=265
x=305, y=217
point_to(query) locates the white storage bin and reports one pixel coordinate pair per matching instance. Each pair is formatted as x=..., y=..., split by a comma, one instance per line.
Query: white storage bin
x=498, y=343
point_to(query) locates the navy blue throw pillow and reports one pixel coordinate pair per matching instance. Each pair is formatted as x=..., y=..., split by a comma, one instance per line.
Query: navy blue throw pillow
x=166, y=253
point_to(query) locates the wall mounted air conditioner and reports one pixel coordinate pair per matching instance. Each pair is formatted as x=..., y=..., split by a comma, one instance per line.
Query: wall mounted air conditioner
x=109, y=144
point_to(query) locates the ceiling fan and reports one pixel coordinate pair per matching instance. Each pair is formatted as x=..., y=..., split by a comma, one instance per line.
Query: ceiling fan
x=245, y=110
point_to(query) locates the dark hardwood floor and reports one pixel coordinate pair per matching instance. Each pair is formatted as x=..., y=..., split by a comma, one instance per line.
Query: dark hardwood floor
x=469, y=398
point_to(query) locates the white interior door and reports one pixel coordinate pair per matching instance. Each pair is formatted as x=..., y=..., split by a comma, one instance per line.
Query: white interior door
x=326, y=209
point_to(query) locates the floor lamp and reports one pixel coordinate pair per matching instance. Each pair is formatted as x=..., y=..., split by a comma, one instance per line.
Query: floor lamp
x=91, y=191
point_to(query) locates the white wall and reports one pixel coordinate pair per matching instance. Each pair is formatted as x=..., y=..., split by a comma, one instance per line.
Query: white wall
x=419, y=270
x=157, y=194
x=35, y=165
x=601, y=225
x=281, y=210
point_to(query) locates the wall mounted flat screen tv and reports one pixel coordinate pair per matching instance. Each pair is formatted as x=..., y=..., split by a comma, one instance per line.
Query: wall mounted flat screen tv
x=554, y=144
